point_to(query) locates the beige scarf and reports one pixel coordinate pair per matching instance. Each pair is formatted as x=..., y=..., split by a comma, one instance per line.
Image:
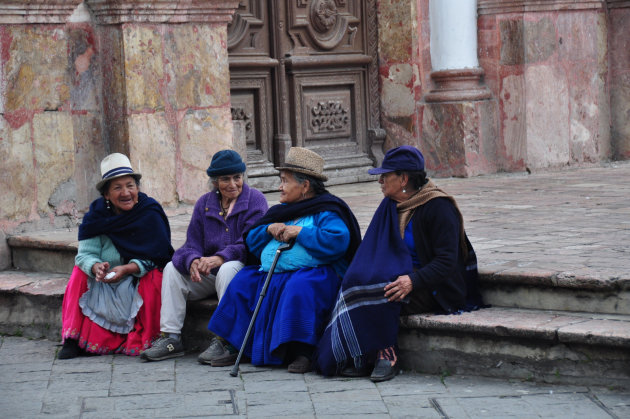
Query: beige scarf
x=428, y=192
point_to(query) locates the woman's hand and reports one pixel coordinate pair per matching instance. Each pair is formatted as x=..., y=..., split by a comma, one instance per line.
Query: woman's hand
x=120, y=272
x=399, y=289
x=283, y=232
x=203, y=266
x=100, y=269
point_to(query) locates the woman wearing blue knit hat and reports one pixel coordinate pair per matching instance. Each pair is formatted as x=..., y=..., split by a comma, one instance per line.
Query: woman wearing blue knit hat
x=415, y=257
x=213, y=253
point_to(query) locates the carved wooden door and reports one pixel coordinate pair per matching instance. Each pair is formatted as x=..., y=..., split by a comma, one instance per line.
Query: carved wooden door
x=304, y=73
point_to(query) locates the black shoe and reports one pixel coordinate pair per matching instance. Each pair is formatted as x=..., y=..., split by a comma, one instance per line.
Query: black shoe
x=383, y=370
x=69, y=350
x=354, y=372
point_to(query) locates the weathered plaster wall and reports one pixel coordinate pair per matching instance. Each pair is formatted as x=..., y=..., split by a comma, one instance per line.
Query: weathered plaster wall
x=549, y=70
x=50, y=121
x=619, y=47
x=77, y=84
x=176, y=111
x=400, y=68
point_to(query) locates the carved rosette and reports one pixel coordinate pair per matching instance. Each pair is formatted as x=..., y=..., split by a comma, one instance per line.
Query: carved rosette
x=111, y=12
x=42, y=11
x=329, y=117
x=327, y=26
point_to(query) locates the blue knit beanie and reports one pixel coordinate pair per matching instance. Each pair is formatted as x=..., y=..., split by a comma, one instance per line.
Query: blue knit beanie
x=226, y=162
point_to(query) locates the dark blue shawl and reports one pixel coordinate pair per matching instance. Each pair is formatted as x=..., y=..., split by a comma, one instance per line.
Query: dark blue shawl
x=141, y=233
x=325, y=202
x=363, y=321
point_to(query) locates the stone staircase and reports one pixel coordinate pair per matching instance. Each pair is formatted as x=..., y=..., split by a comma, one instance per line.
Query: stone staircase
x=539, y=327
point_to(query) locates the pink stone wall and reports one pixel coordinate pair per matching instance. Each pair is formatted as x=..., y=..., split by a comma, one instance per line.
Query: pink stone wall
x=50, y=120
x=549, y=72
x=619, y=47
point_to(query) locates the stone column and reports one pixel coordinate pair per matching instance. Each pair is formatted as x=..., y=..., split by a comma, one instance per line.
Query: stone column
x=456, y=72
x=458, y=114
x=166, y=97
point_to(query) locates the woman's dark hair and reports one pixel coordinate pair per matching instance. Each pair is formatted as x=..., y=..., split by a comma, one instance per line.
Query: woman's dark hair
x=105, y=186
x=416, y=178
x=317, y=186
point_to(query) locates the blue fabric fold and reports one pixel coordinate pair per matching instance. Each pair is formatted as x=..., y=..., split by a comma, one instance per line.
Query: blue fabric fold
x=363, y=321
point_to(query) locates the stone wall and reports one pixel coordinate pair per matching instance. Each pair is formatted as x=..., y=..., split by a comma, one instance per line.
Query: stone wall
x=80, y=80
x=558, y=70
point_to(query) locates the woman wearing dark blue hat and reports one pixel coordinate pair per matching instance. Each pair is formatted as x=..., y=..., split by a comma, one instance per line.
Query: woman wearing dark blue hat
x=415, y=257
x=213, y=253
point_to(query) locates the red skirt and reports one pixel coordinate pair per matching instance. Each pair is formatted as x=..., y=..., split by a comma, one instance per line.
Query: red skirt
x=95, y=339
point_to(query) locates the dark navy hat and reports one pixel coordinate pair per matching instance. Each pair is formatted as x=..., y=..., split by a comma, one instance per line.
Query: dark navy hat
x=405, y=158
x=225, y=162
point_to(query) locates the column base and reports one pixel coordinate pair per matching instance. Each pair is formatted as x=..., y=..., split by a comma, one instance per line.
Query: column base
x=458, y=85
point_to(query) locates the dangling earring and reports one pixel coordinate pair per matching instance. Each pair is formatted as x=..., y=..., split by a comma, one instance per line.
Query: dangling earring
x=107, y=201
x=404, y=190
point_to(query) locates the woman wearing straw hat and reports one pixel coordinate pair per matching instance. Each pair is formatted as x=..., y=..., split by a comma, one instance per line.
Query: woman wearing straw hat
x=307, y=276
x=213, y=253
x=112, y=301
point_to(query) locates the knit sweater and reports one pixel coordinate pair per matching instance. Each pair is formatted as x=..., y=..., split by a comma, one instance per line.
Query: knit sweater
x=209, y=234
x=101, y=249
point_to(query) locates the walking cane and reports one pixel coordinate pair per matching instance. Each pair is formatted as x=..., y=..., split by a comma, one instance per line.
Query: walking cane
x=263, y=291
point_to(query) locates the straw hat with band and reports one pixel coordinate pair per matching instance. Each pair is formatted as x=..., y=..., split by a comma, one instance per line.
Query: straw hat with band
x=114, y=166
x=303, y=160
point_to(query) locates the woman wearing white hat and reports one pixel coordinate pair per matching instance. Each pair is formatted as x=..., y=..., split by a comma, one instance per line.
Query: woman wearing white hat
x=112, y=301
x=306, y=278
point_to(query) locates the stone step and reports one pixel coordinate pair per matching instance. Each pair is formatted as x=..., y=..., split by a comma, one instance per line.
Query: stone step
x=540, y=345
x=536, y=345
x=550, y=291
x=54, y=251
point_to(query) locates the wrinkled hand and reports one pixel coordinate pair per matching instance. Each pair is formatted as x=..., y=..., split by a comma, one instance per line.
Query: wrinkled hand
x=100, y=269
x=203, y=266
x=283, y=232
x=399, y=289
x=119, y=273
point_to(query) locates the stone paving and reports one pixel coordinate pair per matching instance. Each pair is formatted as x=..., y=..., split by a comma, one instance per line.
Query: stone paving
x=34, y=384
x=570, y=224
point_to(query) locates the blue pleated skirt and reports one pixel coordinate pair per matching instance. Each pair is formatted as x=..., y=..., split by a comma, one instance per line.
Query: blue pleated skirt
x=295, y=309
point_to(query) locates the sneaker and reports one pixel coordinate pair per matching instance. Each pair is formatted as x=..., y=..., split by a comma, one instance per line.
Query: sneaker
x=218, y=354
x=301, y=365
x=163, y=348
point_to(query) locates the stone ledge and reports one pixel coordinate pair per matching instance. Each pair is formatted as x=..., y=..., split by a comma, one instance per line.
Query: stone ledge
x=551, y=326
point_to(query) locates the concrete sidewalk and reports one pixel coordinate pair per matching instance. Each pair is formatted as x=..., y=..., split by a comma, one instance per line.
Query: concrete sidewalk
x=34, y=384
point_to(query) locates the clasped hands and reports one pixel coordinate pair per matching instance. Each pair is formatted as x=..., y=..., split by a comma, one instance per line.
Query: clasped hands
x=203, y=266
x=283, y=232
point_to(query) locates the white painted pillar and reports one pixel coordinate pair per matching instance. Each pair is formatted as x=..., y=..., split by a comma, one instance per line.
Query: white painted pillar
x=453, y=34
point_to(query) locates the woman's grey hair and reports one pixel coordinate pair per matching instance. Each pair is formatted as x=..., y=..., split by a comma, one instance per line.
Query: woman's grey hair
x=105, y=186
x=316, y=185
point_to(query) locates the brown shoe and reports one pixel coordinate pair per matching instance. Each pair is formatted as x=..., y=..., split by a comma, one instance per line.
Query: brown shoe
x=301, y=365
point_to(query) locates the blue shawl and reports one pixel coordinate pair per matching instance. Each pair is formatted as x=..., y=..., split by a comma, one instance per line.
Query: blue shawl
x=325, y=202
x=363, y=321
x=140, y=233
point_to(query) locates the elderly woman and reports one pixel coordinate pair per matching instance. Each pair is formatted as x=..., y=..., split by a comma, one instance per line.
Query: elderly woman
x=213, y=253
x=306, y=280
x=415, y=257
x=113, y=296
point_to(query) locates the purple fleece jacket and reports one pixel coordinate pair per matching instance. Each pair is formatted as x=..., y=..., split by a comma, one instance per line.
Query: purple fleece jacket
x=209, y=234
